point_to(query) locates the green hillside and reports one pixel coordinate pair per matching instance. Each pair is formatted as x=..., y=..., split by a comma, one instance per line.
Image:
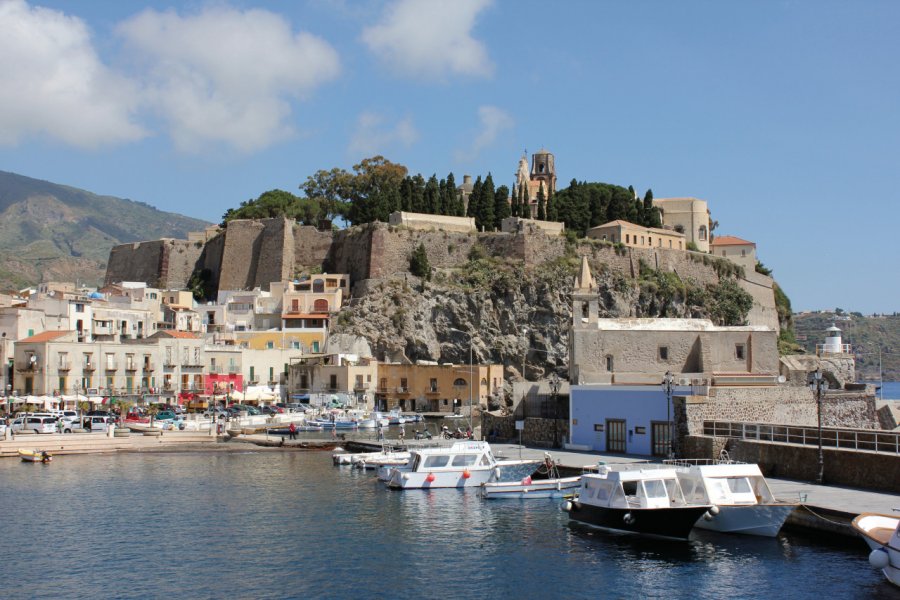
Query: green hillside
x=52, y=232
x=867, y=335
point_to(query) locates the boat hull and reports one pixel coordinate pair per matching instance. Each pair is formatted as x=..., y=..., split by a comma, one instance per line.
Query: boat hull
x=401, y=479
x=35, y=456
x=882, y=533
x=538, y=488
x=671, y=523
x=749, y=519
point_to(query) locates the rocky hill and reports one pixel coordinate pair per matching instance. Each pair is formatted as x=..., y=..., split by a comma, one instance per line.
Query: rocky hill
x=865, y=334
x=51, y=232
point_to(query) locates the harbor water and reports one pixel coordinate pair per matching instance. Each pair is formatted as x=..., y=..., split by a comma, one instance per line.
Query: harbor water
x=288, y=524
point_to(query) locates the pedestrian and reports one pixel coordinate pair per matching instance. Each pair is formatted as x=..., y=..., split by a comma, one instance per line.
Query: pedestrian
x=380, y=433
x=293, y=430
x=402, y=432
x=60, y=425
x=334, y=433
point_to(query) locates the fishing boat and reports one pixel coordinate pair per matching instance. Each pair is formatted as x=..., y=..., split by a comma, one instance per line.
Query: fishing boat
x=551, y=486
x=740, y=492
x=882, y=534
x=35, y=456
x=645, y=501
x=348, y=458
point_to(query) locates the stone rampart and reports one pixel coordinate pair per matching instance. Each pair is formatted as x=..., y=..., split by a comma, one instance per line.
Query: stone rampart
x=139, y=261
x=256, y=253
x=311, y=246
x=182, y=257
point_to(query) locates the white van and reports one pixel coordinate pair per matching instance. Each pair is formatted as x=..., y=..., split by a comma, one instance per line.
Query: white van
x=35, y=423
x=96, y=423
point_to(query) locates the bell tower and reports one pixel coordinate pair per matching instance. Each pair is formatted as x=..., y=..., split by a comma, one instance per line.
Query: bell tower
x=543, y=171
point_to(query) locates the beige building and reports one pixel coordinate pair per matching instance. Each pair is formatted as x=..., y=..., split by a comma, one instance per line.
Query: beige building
x=436, y=388
x=334, y=373
x=689, y=216
x=637, y=236
x=427, y=222
x=309, y=303
x=541, y=177
x=736, y=250
x=519, y=225
x=641, y=351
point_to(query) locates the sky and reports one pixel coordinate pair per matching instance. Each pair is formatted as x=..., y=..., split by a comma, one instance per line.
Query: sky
x=783, y=115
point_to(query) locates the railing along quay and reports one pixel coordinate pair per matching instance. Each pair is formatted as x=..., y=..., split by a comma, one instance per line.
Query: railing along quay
x=886, y=442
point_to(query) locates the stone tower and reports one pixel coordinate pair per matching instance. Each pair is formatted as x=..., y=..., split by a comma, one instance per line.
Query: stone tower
x=543, y=171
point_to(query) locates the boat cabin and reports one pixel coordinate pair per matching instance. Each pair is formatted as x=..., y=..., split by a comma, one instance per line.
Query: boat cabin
x=641, y=488
x=724, y=483
x=461, y=455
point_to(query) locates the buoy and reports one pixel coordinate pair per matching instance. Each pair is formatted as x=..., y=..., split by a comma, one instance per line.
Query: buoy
x=707, y=516
x=430, y=477
x=714, y=510
x=526, y=480
x=879, y=558
x=406, y=477
x=466, y=474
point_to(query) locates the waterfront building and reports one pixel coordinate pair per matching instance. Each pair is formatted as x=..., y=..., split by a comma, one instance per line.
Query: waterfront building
x=637, y=236
x=736, y=250
x=689, y=216
x=349, y=374
x=432, y=387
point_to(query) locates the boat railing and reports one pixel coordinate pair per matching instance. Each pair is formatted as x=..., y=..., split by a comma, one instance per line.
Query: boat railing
x=867, y=440
x=693, y=462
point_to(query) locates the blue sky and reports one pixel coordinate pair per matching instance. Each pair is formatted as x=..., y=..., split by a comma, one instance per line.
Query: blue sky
x=783, y=116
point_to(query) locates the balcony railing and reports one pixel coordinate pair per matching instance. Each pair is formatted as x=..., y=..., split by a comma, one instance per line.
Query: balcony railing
x=88, y=366
x=131, y=367
x=402, y=389
x=848, y=439
x=149, y=367
x=360, y=385
x=63, y=366
x=111, y=366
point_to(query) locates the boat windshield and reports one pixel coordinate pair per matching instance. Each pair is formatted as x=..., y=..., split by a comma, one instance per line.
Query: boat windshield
x=655, y=488
x=739, y=485
x=436, y=461
x=465, y=460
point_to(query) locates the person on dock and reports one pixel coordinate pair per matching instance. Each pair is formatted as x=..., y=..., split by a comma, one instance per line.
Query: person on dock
x=380, y=433
x=293, y=431
x=402, y=434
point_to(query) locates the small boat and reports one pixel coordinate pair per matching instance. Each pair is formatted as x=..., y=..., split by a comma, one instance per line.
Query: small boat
x=462, y=464
x=531, y=488
x=882, y=534
x=35, y=456
x=740, y=492
x=297, y=428
x=645, y=501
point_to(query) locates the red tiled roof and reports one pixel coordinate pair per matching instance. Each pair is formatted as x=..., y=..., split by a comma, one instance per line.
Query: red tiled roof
x=730, y=240
x=185, y=335
x=46, y=336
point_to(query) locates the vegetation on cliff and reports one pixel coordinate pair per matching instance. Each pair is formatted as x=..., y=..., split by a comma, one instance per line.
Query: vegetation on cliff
x=871, y=339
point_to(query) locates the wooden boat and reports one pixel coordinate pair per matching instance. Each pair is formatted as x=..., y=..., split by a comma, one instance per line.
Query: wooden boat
x=882, y=534
x=740, y=492
x=35, y=456
x=645, y=501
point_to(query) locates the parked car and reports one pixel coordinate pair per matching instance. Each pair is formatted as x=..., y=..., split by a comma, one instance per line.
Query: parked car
x=96, y=423
x=35, y=424
x=166, y=415
x=272, y=410
x=219, y=412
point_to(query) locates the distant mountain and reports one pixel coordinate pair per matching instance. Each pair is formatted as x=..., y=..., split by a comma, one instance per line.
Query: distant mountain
x=52, y=232
x=866, y=335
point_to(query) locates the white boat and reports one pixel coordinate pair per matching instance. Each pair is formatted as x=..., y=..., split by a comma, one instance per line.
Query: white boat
x=364, y=458
x=645, y=501
x=462, y=464
x=386, y=459
x=882, y=534
x=531, y=488
x=739, y=490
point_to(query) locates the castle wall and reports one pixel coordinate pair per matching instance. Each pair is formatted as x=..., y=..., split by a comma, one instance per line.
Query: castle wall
x=139, y=261
x=256, y=253
x=181, y=260
x=311, y=246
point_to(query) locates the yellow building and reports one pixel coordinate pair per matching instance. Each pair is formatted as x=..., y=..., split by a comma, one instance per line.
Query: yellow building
x=637, y=236
x=689, y=216
x=436, y=388
x=308, y=304
x=306, y=341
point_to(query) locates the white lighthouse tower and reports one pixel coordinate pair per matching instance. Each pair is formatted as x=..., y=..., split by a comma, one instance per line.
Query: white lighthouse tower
x=833, y=343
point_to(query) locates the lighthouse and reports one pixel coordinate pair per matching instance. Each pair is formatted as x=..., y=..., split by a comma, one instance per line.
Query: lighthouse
x=833, y=344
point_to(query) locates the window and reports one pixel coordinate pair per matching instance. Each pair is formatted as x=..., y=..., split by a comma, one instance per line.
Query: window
x=270, y=345
x=650, y=240
x=436, y=462
x=459, y=382
x=315, y=347
x=627, y=238
x=404, y=385
x=333, y=382
x=739, y=351
x=642, y=240
x=663, y=353
x=320, y=305
x=702, y=233
x=464, y=460
x=432, y=385
x=79, y=308
x=670, y=243
x=295, y=345
x=743, y=252
x=609, y=363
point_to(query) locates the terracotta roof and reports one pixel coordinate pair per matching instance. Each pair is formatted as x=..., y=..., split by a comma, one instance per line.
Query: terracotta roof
x=290, y=315
x=46, y=336
x=185, y=335
x=621, y=223
x=729, y=240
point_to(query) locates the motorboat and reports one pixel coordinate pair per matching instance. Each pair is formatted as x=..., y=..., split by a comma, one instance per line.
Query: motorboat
x=882, y=534
x=394, y=457
x=35, y=456
x=383, y=459
x=553, y=486
x=645, y=501
x=462, y=464
x=531, y=488
x=740, y=492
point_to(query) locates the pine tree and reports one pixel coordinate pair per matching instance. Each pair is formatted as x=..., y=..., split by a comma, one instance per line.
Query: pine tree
x=515, y=208
x=501, y=206
x=487, y=203
x=432, y=203
x=541, y=208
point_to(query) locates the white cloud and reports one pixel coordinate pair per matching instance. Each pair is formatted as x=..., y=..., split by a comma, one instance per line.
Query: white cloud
x=225, y=75
x=54, y=85
x=492, y=121
x=371, y=138
x=430, y=38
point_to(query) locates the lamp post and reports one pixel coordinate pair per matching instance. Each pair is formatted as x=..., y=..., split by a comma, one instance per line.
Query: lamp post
x=668, y=384
x=471, y=373
x=816, y=382
x=525, y=352
x=554, y=390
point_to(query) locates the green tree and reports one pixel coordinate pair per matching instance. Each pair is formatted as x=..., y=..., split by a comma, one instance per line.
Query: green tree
x=375, y=190
x=552, y=213
x=417, y=193
x=331, y=189
x=501, y=205
x=541, y=204
x=432, y=204
x=452, y=200
x=730, y=303
x=486, y=205
x=515, y=207
x=474, y=206
x=524, y=202
x=650, y=212
x=418, y=263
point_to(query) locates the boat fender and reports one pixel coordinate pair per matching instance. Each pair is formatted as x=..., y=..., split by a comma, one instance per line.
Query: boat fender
x=879, y=558
x=707, y=516
x=406, y=477
x=430, y=477
x=577, y=505
x=526, y=480
x=466, y=474
x=713, y=510
x=497, y=473
x=568, y=506
x=628, y=518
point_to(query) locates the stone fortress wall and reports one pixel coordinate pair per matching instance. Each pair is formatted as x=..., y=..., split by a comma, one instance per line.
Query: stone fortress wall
x=254, y=253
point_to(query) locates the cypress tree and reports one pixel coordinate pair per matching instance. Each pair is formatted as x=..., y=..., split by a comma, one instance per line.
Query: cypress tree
x=552, y=213
x=487, y=203
x=514, y=209
x=541, y=208
x=406, y=194
x=501, y=206
x=474, y=200
x=417, y=199
x=450, y=196
x=526, y=205
x=432, y=203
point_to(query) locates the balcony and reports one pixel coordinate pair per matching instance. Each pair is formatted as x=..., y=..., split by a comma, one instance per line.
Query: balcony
x=431, y=391
x=88, y=366
x=28, y=367
x=149, y=368
x=233, y=369
x=168, y=364
x=360, y=386
x=402, y=389
x=111, y=366
x=63, y=367
x=130, y=367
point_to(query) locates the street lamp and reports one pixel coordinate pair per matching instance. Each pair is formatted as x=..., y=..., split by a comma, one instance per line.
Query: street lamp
x=525, y=352
x=815, y=383
x=471, y=373
x=554, y=389
x=668, y=384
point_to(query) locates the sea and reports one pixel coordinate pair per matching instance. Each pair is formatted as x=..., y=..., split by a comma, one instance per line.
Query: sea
x=289, y=524
x=890, y=390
